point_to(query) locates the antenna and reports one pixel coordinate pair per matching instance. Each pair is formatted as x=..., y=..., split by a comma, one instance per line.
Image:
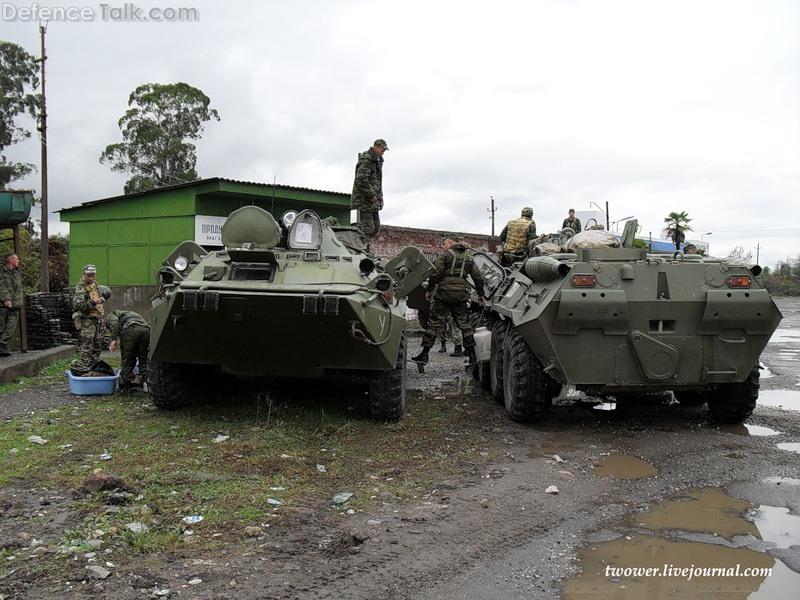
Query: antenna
x=492, y=210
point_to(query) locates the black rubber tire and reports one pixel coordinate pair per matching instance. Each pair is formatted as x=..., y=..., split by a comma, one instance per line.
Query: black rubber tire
x=499, y=330
x=691, y=397
x=526, y=389
x=387, y=389
x=166, y=384
x=734, y=402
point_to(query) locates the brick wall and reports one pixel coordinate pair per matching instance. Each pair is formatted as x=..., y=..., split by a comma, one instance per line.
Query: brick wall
x=391, y=239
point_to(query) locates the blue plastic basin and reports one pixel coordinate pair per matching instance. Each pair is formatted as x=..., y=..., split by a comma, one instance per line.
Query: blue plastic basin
x=92, y=386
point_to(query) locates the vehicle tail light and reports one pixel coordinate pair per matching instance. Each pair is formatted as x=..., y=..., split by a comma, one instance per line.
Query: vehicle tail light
x=584, y=281
x=739, y=281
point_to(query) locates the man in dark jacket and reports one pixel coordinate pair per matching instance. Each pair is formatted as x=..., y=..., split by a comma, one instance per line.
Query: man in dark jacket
x=11, y=300
x=572, y=222
x=367, y=196
x=132, y=332
x=450, y=290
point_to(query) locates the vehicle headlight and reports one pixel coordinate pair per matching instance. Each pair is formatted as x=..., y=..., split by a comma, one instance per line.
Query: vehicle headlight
x=181, y=264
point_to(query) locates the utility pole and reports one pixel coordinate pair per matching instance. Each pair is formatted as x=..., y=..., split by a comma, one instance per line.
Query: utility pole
x=758, y=250
x=492, y=210
x=608, y=218
x=45, y=251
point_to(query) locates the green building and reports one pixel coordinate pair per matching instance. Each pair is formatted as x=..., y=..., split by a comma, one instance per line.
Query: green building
x=127, y=237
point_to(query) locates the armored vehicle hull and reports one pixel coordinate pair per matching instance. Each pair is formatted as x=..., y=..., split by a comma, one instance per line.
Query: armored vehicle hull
x=617, y=321
x=300, y=300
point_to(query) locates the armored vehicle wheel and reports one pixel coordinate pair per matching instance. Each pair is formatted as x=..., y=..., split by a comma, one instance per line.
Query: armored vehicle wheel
x=170, y=387
x=527, y=393
x=499, y=330
x=691, y=398
x=387, y=389
x=734, y=402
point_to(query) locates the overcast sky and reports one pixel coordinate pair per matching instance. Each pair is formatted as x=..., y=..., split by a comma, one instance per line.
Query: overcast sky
x=653, y=106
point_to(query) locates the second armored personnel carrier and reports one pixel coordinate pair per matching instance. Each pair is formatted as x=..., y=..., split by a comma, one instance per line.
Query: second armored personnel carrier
x=295, y=299
x=621, y=322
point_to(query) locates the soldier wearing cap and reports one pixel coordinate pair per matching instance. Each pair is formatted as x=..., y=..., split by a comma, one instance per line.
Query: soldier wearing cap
x=11, y=300
x=87, y=302
x=517, y=234
x=450, y=291
x=690, y=249
x=367, y=196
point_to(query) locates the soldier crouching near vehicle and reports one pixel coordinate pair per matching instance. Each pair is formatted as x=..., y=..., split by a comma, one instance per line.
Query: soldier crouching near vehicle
x=133, y=333
x=87, y=302
x=453, y=266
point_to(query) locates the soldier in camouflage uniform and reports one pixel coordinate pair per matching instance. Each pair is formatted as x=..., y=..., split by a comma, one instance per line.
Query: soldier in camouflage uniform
x=87, y=302
x=11, y=300
x=449, y=281
x=367, y=196
x=132, y=332
x=516, y=235
x=572, y=222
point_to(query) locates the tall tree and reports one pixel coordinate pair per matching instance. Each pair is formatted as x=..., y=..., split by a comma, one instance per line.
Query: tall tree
x=18, y=80
x=677, y=226
x=156, y=129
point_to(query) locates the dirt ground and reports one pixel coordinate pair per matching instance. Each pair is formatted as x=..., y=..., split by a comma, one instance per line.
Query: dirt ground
x=493, y=532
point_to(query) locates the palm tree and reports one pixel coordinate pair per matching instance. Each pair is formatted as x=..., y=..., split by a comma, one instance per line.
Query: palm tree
x=677, y=225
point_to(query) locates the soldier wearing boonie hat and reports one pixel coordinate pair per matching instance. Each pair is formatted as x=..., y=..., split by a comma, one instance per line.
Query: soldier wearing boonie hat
x=87, y=302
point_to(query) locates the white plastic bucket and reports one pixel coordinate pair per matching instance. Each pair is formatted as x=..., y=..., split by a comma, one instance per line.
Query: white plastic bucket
x=483, y=344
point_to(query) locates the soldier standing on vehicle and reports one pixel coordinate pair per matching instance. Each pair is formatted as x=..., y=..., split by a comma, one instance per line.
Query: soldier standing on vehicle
x=11, y=300
x=367, y=196
x=132, y=332
x=517, y=234
x=572, y=222
x=450, y=297
x=87, y=302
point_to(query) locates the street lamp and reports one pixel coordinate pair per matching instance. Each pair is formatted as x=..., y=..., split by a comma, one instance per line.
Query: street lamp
x=706, y=233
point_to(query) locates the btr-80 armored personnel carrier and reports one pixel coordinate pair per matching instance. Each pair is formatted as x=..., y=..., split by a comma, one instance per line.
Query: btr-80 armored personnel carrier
x=295, y=299
x=621, y=322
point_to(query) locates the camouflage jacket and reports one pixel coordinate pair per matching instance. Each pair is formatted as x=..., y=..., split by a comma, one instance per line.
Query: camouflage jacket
x=453, y=266
x=368, y=183
x=83, y=300
x=517, y=234
x=119, y=320
x=11, y=287
x=574, y=224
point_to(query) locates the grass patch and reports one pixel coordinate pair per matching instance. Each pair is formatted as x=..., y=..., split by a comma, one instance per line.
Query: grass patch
x=235, y=463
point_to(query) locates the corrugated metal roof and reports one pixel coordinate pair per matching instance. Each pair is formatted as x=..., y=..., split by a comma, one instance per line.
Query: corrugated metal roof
x=200, y=182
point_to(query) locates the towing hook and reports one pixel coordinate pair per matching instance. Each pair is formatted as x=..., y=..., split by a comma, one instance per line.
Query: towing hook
x=357, y=334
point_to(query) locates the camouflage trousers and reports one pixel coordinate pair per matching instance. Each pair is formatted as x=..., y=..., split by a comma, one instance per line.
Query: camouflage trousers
x=437, y=322
x=90, y=343
x=9, y=318
x=370, y=222
x=451, y=332
x=134, y=342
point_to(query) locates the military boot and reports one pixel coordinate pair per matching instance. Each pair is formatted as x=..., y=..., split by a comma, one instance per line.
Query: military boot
x=422, y=357
x=457, y=351
x=4, y=351
x=443, y=349
x=125, y=388
x=473, y=360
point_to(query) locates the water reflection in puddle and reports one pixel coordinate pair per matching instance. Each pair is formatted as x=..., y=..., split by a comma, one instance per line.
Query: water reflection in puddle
x=748, y=429
x=790, y=446
x=621, y=466
x=786, y=399
x=656, y=567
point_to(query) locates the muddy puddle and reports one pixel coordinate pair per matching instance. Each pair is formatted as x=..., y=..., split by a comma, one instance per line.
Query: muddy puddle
x=748, y=429
x=790, y=446
x=697, y=545
x=622, y=466
x=785, y=399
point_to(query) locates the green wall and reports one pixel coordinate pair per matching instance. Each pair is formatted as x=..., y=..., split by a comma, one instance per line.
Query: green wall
x=128, y=237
